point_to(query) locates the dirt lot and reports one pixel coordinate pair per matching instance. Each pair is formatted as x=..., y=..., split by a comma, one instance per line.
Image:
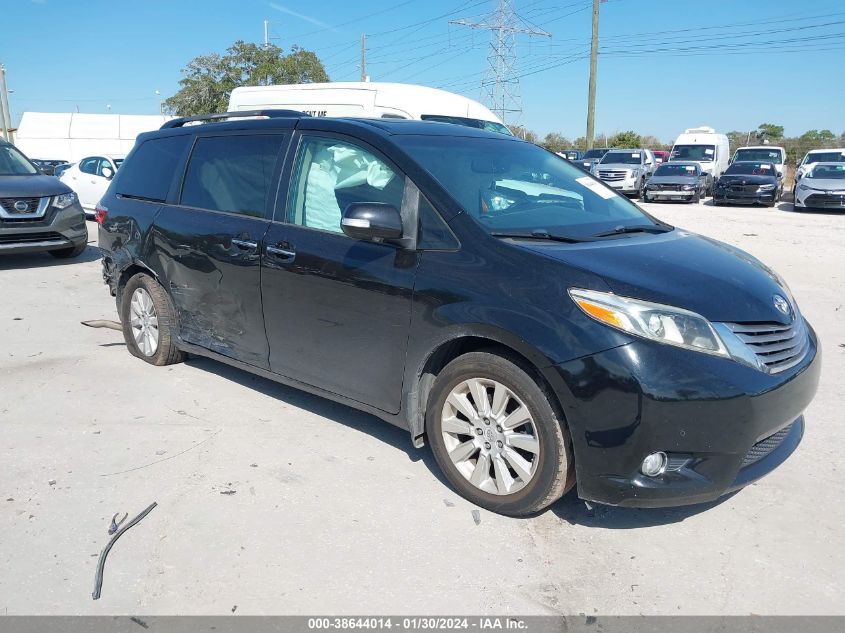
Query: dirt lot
x=334, y=511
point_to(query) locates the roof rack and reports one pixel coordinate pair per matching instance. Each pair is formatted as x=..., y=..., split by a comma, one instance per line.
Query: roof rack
x=208, y=118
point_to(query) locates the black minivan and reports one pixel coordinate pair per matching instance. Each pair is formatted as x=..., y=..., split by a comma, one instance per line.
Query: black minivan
x=537, y=329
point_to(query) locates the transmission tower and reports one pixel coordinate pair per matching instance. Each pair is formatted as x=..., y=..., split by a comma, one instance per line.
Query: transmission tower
x=500, y=84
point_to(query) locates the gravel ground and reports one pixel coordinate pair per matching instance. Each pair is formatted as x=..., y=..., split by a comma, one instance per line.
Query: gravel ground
x=331, y=510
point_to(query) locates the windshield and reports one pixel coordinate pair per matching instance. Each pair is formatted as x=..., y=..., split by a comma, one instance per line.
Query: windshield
x=676, y=169
x=117, y=162
x=623, y=158
x=751, y=169
x=13, y=163
x=693, y=152
x=596, y=153
x=825, y=157
x=490, y=126
x=517, y=187
x=768, y=155
x=828, y=172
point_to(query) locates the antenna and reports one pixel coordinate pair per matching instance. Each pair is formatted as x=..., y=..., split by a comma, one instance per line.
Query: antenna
x=500, y=84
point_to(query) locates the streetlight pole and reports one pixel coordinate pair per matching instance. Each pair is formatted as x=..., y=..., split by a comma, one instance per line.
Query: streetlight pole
x=591, y=98
x=5, y=114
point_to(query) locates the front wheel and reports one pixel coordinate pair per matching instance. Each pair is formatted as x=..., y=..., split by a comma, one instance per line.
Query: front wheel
x=149, y=321
x=696, y=197
x=496, y=436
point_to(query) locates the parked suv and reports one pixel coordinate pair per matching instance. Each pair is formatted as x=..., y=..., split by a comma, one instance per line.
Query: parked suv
x=470, y=287
x=37, y=212
x=626, y=170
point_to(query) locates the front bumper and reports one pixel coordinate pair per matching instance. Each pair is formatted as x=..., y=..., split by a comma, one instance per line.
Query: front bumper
x=751, y=198
x=669, y=195
x=57, y=230
x=623, y=186
x=820, y=200
x=707, y=413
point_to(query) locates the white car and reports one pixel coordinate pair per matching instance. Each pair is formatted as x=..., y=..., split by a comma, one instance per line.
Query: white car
x=90, y=178
x=822, y=187
x=815, y=156
x=763, y=153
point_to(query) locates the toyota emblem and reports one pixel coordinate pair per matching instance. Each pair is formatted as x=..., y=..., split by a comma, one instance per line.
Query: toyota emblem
x=20, y=205
x=781, y=304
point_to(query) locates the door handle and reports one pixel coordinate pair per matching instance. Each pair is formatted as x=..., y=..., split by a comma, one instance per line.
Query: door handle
x=283, y=254
x=245, y=244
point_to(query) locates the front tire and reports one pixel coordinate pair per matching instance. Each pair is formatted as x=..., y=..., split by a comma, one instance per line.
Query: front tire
x=149, y=322
x=68, y=253
x=496, y=436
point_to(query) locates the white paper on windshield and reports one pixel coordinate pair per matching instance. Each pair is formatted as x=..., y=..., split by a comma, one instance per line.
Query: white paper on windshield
x=595, y=187
x=635, y=155
x=764, y=167
x=843, y=153
x=690, y=168
x=708, y=152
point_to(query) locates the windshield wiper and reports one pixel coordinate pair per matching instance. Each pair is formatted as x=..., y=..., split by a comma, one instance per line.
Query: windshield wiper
x=643, y=228
x=542, y=234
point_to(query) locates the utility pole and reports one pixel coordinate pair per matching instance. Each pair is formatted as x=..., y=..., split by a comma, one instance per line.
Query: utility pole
x=501, y=81
x=5, y=114
x=266, y=33
x=363, y=57
x=591, y=98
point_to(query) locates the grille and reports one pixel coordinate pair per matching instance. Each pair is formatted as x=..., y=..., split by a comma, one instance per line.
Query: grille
x=765, y=446
x=825, y=200
x=665, y=187
x=744, y=188
x=22, y=238
x=612, y=174
x=8, y=205
x=777, y=346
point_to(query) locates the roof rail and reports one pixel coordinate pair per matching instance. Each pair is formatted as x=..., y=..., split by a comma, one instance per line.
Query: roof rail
x=208, y=118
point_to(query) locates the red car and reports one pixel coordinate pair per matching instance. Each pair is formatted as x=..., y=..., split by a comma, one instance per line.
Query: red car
x=660, y=156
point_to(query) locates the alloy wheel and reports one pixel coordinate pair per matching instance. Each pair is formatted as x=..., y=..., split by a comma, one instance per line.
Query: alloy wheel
x=490, y=436
x=144, y=322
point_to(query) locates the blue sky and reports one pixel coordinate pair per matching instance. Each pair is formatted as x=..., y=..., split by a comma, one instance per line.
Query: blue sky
x=665, y=64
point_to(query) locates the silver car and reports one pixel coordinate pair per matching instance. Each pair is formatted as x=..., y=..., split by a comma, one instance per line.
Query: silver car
x=626, y=170
x=822, y=187
x=676, y=180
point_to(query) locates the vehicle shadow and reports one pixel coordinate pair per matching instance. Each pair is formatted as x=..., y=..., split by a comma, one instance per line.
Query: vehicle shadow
x=576, y=512
x=385, y=432
x=44, y=260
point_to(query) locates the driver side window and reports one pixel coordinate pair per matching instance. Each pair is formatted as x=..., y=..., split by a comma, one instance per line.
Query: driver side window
x=89, y=165
x=330, y=175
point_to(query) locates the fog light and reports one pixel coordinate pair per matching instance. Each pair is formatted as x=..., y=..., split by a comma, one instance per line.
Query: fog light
x=654, y=464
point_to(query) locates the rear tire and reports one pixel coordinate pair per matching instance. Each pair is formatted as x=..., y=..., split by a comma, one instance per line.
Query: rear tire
x=149, y=321
x=491, y=459
x=67, y=253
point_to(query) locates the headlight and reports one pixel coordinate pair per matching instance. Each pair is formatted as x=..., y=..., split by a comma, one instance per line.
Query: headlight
x=766, y=188
x=64, y=200
x=688, y=187
x=653, y=321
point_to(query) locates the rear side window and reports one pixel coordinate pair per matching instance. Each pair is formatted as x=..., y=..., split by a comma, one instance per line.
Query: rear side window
x=232, y=173
x=149, y=174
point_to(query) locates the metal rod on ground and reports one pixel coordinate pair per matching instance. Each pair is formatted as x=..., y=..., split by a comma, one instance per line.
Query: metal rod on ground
x=5, y=115
x=591, y=98
x=101, y=564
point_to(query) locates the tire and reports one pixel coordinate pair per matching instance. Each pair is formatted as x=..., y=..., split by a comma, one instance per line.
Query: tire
x=549, y=469
x=67, y=253
x=141, y=293
x=641, y=190
x=696, y=197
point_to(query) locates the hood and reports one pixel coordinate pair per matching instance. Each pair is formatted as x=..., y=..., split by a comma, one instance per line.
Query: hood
x=674, y=180
x=681, y=269
x=747, y=179
x=31, y=186
x=618, y=166
x=825, y=184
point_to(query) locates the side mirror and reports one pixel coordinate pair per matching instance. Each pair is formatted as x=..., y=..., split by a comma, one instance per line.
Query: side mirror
x=107, y=172
x=780, y=176
x=372, y=221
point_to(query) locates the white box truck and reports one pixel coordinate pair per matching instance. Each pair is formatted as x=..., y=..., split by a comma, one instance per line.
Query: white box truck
x=704, y=146
x=368, y=100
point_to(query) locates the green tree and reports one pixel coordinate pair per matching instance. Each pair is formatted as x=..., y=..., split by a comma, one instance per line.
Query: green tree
x=555, y=142
x=208, y=80
x=524, y=133
x=770, y=131
x=628, y=139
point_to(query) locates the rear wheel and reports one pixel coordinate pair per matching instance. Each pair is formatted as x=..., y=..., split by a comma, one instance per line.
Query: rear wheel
x=149, y=322
x=496, y=436
x=67, y=253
